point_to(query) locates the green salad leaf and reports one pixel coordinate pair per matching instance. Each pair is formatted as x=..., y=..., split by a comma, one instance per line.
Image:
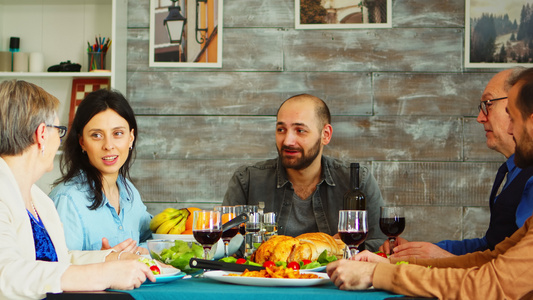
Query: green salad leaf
x=179, y=255
x=229, y=259
x=251, y=263
x=281, y=264
x=324, y=259
x=311, y=265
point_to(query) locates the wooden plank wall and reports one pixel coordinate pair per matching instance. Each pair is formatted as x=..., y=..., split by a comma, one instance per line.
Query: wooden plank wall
x=401, y=99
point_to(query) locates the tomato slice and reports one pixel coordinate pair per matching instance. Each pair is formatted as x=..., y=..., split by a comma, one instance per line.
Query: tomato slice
x=381, y=254
x=155, y=270
x=293, y=265
x=240, y=261
x=306, y=261
x=269, y=264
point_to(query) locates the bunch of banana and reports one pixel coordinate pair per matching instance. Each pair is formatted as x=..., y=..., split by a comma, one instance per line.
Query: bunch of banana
x=170, y=221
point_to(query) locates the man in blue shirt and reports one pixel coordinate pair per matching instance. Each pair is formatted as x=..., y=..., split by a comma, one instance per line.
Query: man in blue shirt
x=510, y=193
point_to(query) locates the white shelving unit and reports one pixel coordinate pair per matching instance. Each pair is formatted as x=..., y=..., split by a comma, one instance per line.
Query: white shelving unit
x=60, y=30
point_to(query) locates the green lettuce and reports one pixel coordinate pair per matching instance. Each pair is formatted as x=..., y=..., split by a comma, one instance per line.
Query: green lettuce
x=180, y=254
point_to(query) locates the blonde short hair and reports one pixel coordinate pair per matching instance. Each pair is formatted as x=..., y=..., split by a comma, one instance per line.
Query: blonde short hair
x=23, y=106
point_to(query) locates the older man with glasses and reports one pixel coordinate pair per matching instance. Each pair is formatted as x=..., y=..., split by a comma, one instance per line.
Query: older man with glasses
x=512, y=186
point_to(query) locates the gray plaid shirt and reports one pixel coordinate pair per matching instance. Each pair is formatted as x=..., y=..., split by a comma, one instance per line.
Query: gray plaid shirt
x=267, y=181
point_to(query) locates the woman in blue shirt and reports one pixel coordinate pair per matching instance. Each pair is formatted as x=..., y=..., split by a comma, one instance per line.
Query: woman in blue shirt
x=97, y=203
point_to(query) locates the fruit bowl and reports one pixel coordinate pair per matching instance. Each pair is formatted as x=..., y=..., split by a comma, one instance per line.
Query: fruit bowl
x=176, y=253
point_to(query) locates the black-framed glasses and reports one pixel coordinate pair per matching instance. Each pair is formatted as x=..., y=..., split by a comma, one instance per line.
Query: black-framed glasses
x=62, y=130
x=484, y=105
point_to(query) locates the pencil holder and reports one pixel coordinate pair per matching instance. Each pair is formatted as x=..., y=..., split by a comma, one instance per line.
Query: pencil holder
x=96, y=60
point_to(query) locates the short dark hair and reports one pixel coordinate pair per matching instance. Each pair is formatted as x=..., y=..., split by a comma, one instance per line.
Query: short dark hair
x=73, y=161
x=524, y=101
x=322, y=110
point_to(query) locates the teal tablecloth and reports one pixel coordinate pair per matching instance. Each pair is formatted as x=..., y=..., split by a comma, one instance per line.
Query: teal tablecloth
x=203, y=288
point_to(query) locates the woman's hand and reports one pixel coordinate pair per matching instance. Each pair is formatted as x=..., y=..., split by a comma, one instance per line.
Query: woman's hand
x=369, y=257
x=128, y=274
x=385, y=248
x=128, y=245
x=121, y=274
x=351, y=275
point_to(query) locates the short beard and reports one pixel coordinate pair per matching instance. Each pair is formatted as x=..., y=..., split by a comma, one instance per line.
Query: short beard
x=305, y=161
x=523, y=157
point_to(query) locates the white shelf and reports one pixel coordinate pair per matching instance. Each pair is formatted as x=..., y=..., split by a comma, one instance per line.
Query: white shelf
x=55, y=74
x=60, y=29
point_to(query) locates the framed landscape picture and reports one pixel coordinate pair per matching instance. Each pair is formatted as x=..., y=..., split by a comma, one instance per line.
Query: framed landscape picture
x=498, y=34
x=186, y=33
x=342, y=14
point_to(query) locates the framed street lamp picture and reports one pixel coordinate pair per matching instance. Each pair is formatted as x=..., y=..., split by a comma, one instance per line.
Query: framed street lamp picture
x=498, y=34
x=342, y=14
x=186, y=33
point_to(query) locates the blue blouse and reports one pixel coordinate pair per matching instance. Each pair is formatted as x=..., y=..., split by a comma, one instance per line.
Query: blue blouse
x=44, y=249
x=84, y=228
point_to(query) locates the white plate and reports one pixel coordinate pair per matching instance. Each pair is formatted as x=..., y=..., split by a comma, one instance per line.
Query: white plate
x=217, y=250
x=167, y=275
x=257, y=281
x=317, y=269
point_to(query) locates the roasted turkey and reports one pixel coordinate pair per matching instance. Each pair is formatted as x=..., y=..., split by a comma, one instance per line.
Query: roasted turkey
x=306, y=246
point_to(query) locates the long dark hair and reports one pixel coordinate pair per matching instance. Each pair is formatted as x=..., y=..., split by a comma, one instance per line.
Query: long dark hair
x=74, y=162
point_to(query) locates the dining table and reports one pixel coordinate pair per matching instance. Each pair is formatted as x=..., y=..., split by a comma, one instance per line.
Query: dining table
x=206, y=288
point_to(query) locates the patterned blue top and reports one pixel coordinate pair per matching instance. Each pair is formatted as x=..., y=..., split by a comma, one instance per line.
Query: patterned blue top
x=44, y=249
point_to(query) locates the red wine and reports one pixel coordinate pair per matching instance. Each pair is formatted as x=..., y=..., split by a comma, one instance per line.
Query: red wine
x=352, y=238
x=253, y=227
x=207, y=237
x=354, y=199
x=392, y=227
x=228, y=234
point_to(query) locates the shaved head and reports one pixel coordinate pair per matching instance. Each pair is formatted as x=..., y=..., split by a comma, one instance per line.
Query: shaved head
x=321, y=109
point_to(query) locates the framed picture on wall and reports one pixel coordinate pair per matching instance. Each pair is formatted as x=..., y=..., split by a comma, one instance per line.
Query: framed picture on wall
x=498, y=34
x=343, y=14
x=186, y=33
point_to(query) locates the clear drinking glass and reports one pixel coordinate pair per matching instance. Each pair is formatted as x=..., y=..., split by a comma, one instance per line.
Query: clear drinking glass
x=227, y=214
x=251, y=211
x=253, y=228
x=207, y=229
x=270, y=226
x=239, y=209
x=353, y=228
x=391, y=223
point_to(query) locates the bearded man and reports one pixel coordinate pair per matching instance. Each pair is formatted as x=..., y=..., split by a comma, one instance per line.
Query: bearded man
x=302, y=186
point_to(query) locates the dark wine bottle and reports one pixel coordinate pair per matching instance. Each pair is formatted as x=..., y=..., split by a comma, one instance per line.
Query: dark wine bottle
x=354, y=199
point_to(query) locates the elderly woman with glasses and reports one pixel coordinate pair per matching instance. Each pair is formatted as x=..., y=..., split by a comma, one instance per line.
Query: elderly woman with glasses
x=34, y=258
x=97, y=203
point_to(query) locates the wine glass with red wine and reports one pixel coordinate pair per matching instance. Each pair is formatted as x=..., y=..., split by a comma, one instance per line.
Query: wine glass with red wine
x=227, y=213
x=392, y=223
x=353, y=228
x=207, y=229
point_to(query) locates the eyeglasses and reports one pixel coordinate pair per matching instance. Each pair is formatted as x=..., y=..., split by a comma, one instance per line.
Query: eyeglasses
x=484, y=105
x=62, y=130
